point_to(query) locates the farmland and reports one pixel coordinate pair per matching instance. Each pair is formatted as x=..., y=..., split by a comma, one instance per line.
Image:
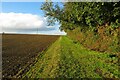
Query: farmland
x=20, y=51
x=88, y=47
x=43, y=56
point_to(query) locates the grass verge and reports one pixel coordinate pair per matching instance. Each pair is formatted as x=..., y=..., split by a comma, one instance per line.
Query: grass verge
x=69, y=59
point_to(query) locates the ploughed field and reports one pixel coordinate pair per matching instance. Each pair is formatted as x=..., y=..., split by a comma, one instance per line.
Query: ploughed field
x=20, y=51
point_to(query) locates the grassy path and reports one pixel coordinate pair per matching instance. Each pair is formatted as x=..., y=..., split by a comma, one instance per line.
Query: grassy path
x=66, y=58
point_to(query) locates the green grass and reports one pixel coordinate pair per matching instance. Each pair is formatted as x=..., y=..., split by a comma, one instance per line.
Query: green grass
x=69, y=59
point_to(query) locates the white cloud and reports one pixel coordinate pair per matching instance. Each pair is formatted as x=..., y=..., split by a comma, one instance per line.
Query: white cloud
x=20, y=22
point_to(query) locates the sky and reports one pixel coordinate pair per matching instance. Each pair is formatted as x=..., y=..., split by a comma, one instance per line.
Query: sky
x=26, y=17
